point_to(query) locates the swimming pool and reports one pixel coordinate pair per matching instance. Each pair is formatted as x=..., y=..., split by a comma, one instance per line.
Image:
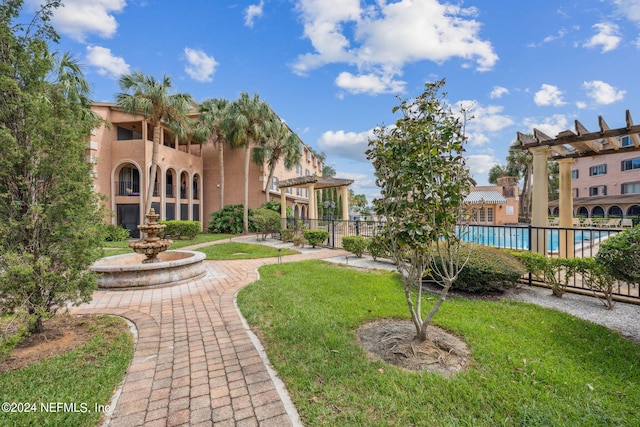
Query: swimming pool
x=518, y=237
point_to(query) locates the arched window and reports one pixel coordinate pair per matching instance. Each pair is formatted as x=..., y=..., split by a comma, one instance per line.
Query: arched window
x=597, y=212
x=615, y=211
x=169, y=184
x=195, y=186
x=634, y=211
x=128, y=181
x=582, y=211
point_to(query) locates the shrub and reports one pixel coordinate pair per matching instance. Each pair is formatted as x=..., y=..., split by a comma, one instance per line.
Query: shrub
x=355, y=244
x=228, y=220
x=287, y=235
x=179, y=229
x=378, y=247
x=315, y=237
x=265, y=221
x=556, y=272
x=115, y=233
x=619, y=254
x=488, y=269
x=298, y=240
x=599, y=279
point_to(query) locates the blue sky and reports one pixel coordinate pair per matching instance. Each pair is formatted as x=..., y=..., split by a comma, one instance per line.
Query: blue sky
x=332, y=68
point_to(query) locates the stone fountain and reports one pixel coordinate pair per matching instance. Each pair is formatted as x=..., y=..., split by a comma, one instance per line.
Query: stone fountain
x=152, y=265
x=151, y=245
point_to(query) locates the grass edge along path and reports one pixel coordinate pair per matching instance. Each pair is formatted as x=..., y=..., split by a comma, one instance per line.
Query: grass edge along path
x=236, y=250
x=531, y=365
x=72, y=389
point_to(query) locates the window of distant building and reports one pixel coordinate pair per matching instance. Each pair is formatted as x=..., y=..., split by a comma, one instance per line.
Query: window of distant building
x=490, y=214
x=574, y=193
x=574, y=174
x=299, y=170
x=626, y=141
x=631, y=188
x=598, y=170
x=631, y=164
x=125, y=134
x=274, y=183
x=598, y=190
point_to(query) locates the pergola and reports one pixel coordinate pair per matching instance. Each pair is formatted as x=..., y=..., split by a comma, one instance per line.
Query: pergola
x=564, y=148
x=313, y=183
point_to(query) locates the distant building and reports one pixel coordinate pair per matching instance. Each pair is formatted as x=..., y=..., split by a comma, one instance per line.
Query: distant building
x=187, y=184
x=607, y=185
x=494, y=205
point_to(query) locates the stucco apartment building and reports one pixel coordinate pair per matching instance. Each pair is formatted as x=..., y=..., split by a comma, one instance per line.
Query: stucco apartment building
x=606, y=186
x=187, y=184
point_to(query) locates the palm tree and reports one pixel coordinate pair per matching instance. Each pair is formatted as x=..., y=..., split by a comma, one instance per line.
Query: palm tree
x=520, y=164
x=281, y=144
x=150, y=98
x=247, y=125
x=213, y=113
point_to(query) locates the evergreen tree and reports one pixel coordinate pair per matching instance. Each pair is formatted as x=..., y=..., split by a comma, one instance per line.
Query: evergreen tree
x=49, y=214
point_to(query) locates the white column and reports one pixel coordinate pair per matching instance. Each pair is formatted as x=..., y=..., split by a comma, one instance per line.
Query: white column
x=283, y=207
x=540, y=198
x=567, y=241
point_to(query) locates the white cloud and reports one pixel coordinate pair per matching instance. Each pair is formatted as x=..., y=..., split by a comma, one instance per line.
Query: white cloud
x=548, y=95
x=106, y=63
x=349, y=145
x=629, y=9
x=480, y=164
x=200, y=66
x=607, y=36
x=380, y=39
x=551, y=126
x=251, y=12
x=483, y=122
x=603, y=93
x=79, y=18
x=498, y=92
x=369, y=83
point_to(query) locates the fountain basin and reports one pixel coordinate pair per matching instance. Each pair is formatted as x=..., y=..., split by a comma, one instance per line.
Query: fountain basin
x=128, y=272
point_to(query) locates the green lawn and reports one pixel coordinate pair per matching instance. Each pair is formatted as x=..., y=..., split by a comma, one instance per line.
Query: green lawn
x=86, y=377
x=235, y=250
x=120, y=248
x=531, y=365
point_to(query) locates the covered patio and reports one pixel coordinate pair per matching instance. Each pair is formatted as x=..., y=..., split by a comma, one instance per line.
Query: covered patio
x=564, y=148
x=314, y=183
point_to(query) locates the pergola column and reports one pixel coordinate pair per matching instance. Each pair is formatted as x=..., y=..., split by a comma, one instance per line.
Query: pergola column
x=345, y=202
x=567, y=242
x=283, y=207
x=313, y=206
x=540, y=198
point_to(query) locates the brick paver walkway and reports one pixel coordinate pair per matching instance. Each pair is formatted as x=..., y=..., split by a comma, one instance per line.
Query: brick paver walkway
x=194, y=361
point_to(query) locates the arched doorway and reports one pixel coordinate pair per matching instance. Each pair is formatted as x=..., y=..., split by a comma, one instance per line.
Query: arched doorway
x=582, y=211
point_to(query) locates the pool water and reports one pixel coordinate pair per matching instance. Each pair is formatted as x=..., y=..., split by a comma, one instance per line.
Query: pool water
x=518, y=237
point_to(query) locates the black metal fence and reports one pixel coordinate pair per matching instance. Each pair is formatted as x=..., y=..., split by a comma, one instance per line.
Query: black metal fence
x=578, y=242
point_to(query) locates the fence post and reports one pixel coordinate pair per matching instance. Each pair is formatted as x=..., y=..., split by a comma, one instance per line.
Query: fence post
x=530, y=249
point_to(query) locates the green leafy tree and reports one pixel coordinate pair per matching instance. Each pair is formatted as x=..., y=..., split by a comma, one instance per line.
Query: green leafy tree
x=209, y=127
x=281, y=144
x=520, y=165
x=149, y=97
x=49, y=215
x=359, y=200
x=247, y=125
x=496, y=171
x=423, y=180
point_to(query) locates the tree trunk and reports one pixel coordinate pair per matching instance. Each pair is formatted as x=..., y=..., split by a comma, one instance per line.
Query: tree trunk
x=154, y=168
x=268, y=186
x=245, y=212
x=221, y=171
